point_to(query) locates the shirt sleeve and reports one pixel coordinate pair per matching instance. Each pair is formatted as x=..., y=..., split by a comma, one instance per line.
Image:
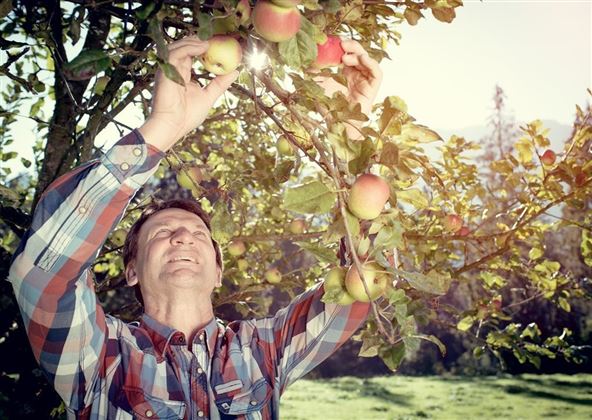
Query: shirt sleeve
x=306, y=332
x=50, y=274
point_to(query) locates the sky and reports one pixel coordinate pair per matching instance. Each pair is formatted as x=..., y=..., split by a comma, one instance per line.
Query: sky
x=539, y=52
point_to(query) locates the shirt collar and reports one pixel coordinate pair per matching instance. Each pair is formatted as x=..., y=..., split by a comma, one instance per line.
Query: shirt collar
x=162, y=335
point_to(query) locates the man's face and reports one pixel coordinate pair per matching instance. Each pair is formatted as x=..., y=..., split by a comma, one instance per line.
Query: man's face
x=175, y=251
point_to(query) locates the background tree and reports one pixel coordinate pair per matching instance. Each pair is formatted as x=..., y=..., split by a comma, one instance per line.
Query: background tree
x=443, y=229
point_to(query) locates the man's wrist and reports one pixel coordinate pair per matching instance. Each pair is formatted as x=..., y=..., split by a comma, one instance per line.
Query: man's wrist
x=158, y=134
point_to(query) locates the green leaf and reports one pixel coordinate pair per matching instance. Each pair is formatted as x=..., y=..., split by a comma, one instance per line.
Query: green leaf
x=412, y=16
x=155, y=32
x=413, y=196
x=419, y=133
x=331, y=6
x=436, y=341
x=171, y=73
x=283, y=170
x=564, y=304
x=397, y=296
x=143, y=12
x=392, y=356
x=433, y=282
x=360, y=163
x=299, y=51
x=465, y=323
x=389, y=237
x=311, y=198
x=535, y=253
x=87, y=64
x=320, y=252
x=370, y=347
x=445, y=14
x=36, y=107
x=222, y=224
x=586, y=247
x=206, y=29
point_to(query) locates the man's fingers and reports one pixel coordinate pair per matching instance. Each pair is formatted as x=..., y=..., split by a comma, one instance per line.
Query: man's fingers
x=373, y=66
x=219, y=85
x=187, y=50
x=352, y=47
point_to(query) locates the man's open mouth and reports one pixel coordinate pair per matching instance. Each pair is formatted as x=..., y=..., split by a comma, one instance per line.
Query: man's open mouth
x=187, y=259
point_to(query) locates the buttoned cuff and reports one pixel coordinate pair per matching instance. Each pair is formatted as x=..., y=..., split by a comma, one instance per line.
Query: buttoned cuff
x=131, y=160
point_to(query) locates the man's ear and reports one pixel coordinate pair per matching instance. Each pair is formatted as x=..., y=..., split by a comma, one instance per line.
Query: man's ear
x=131, y=276
x=219, y=276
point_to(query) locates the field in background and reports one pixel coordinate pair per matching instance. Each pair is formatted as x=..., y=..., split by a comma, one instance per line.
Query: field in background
x=402, y=397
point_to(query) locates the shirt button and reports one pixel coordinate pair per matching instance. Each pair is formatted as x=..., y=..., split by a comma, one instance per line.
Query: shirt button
x=200, y=414
x=253, y=402
x=201, y=336
x=82, y=210
x=199, y=370
x=124, y=166
x=149, y=413
x=137, y=151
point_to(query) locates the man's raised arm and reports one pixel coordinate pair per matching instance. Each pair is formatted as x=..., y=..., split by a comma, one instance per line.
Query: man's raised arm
x=50, y=272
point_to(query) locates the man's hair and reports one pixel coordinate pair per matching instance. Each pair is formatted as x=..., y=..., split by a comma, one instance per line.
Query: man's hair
x=130, y=247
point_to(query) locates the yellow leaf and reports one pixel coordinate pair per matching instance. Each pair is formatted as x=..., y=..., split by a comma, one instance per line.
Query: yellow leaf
x=524, y=148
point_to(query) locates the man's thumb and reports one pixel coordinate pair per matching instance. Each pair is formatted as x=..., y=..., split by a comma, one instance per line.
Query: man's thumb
x=219, y=85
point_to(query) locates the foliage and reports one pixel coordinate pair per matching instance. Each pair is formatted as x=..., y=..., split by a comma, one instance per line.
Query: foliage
x=254, y=192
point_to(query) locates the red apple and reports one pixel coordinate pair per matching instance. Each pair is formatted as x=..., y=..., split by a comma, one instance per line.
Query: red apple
x=548, y=158
x=464, y=231
x=223, y=56
x=275, y=23
x=236, y=248
x=335, y=282
x=453, y=223
x=329, y=53
x=273, y=275
x=580, y=178
x=297, y=226
x=375, y=281
x=367, y=196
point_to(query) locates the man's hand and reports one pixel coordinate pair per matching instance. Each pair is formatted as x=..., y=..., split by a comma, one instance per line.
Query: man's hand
x=177, y=110
x=363, y=76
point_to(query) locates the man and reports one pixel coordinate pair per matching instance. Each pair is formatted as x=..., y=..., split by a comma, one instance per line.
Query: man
x=178, y=362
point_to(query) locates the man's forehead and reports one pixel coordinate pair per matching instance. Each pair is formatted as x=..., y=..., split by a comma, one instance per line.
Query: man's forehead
x=175, y=215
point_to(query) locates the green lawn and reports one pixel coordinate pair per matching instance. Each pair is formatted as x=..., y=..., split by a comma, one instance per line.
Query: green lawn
x=400, y=397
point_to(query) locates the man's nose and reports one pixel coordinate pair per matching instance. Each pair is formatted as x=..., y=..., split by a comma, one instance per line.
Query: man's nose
x=182, y=236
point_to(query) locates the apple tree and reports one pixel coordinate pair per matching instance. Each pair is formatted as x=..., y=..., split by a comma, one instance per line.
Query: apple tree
x=277, y=163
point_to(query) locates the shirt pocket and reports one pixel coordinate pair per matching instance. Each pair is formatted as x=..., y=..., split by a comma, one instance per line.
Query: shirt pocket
x=245, y=401
x=148, y=407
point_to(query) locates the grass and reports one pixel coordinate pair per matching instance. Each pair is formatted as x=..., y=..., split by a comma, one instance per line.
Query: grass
x=398, y=397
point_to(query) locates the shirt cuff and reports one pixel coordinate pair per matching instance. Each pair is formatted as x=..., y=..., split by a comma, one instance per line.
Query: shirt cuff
x=131, y=160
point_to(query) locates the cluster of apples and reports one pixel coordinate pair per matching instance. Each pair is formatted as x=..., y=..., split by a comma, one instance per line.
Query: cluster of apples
x=274, y=21
x=348, y=284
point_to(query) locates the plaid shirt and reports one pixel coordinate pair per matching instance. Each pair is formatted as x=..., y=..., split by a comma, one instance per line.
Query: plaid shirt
x=105, y=368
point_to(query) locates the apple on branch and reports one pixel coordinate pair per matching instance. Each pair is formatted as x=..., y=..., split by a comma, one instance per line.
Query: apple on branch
x=329, y=53
x=297, y=226
x=367, y=196
x=376, y=282
x=334, y=286
x=275, y=23
x=453, y=223
x=284, y=147
x=236, y=248
x=243, y=12
x=273, y=275
x=223, y=56
x=548, y=158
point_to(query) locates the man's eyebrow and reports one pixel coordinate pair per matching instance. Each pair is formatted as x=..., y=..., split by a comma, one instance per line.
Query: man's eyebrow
x=167, y=223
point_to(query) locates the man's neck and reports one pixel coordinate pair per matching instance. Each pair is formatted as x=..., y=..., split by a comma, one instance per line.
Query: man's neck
x=186, y=315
